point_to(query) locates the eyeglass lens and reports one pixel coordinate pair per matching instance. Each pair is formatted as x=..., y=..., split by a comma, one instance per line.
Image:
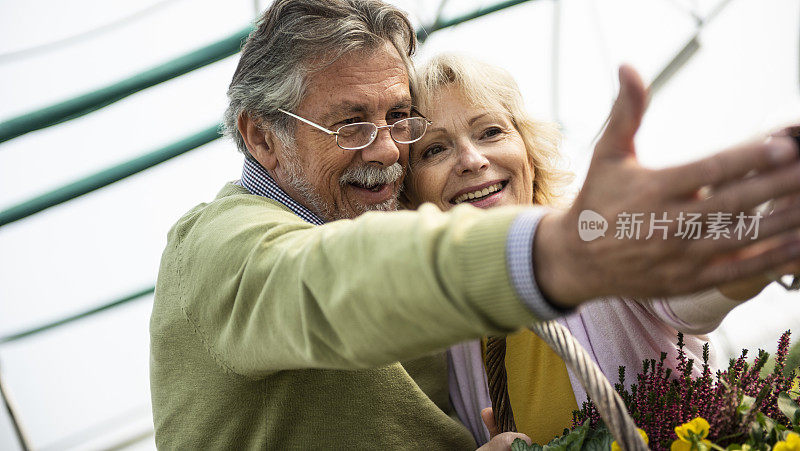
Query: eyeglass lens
x=405, y=131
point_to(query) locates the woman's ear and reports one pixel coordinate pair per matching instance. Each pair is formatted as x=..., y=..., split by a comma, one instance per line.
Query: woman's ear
x=259, y=141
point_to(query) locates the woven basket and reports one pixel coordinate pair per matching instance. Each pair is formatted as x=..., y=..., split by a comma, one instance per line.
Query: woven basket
x=608, y=402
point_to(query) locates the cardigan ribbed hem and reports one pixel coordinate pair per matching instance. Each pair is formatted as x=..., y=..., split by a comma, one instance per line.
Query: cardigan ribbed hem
x=485, y=271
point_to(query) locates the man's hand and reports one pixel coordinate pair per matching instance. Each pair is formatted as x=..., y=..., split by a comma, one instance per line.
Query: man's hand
x=746, y=289
x=570, y=271
x=499, y=442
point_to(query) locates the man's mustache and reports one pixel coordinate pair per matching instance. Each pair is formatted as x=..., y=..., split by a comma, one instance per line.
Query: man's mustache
x=368, y=175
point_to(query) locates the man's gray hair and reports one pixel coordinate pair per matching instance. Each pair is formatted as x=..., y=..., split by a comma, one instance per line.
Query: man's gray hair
x=295, y=38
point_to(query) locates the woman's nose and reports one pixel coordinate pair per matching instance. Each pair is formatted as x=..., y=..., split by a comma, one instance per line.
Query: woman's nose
x=471, y=159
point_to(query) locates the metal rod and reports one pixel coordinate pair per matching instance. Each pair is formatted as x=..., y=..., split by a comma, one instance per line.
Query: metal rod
x=677, y=62
x=424, y=32
x=107, y=176
x=555, y=61
x=121, y=171
x=93, y=101
x=116, y=431
x=132, y=440
x=69, y=319
x=24, y=442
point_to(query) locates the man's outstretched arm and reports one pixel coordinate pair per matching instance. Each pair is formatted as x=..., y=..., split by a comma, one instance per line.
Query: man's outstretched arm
x=266, y=291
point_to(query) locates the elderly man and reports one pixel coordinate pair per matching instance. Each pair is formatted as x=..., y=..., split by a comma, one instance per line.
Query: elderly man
x=284, y=318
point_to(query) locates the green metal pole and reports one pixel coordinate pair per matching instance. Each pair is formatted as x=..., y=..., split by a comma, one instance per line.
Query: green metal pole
x=69, y=319
x=92, y=101
x=107, y=176
x=424, y=32
x=116, y=173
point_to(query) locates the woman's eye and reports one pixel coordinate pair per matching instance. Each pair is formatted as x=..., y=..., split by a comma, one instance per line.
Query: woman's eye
x=491, y=132
x=432, y=150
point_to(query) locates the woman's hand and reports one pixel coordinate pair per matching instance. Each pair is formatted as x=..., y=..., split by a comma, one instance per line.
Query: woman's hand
x=499, y=441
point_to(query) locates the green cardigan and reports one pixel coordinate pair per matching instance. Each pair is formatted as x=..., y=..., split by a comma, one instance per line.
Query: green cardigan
x=269, y=332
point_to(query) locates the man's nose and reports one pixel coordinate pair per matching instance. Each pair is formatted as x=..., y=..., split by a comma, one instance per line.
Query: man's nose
x=470, y=159
x=383, y=151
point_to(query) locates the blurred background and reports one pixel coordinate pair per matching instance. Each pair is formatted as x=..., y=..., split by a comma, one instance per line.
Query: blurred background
x=731, y=73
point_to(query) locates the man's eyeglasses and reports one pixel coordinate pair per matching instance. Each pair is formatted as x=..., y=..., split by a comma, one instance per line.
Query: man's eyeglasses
x=361, y=134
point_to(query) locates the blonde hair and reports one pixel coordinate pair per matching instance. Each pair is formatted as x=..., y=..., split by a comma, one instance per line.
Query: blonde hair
x=485, y=85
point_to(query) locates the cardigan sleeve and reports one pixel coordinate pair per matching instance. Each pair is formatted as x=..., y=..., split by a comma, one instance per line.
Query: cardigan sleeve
x=697, y=313
x=266, y=291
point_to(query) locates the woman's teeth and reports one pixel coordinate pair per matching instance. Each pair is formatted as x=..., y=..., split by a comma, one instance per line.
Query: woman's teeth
x=480, y=193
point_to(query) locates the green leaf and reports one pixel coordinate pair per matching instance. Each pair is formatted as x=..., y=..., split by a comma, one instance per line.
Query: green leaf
x=600, y=440
x=520, y=445
x=789, y=408
x=569, y=442
x=572, y=441
x=792, y=360
x=765, y=390
x=582, y=438
x=746, y=405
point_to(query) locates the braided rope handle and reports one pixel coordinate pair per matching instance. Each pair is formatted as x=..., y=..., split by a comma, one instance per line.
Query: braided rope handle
x=608, y=402
x=498, y=383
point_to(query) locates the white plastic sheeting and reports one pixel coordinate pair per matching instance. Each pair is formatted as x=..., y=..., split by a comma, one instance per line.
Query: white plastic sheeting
x=85, y=385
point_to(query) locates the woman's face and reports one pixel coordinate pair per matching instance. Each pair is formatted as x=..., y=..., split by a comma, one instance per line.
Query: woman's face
x=469, y=154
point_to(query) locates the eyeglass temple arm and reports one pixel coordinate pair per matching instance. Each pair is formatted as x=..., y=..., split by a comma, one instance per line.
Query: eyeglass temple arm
x=414, y=110
x=308, y=122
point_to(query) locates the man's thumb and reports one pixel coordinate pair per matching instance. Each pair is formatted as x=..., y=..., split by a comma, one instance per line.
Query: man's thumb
x=625, y=117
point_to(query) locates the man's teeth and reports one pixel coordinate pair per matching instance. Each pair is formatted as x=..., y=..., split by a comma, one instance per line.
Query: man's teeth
x=480, y=193
x=373, y=188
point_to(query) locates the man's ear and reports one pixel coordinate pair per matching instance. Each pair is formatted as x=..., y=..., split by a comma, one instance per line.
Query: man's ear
x=259, y=142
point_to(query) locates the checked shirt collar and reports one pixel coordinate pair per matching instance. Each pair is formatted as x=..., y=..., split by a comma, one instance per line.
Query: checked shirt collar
x=256, y=180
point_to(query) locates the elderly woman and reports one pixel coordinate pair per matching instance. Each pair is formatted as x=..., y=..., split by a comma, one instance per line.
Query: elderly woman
x=483, y=149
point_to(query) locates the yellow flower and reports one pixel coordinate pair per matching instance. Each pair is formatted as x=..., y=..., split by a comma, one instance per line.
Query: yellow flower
x=792, y=443
x=683, y=445
x=699, y=426
x=615, y=446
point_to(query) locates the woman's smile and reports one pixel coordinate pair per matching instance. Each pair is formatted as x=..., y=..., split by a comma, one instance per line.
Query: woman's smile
x=471, y=155
x=483, y=196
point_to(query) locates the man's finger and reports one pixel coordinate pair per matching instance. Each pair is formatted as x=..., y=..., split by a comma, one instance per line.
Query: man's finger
x=787, y=269
x=791, y=130
x=625, y=118
x=487, y=415
x=731, y=164
x=785, y=203
x=783, y=225
x=729, y=271
x=748, y=193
